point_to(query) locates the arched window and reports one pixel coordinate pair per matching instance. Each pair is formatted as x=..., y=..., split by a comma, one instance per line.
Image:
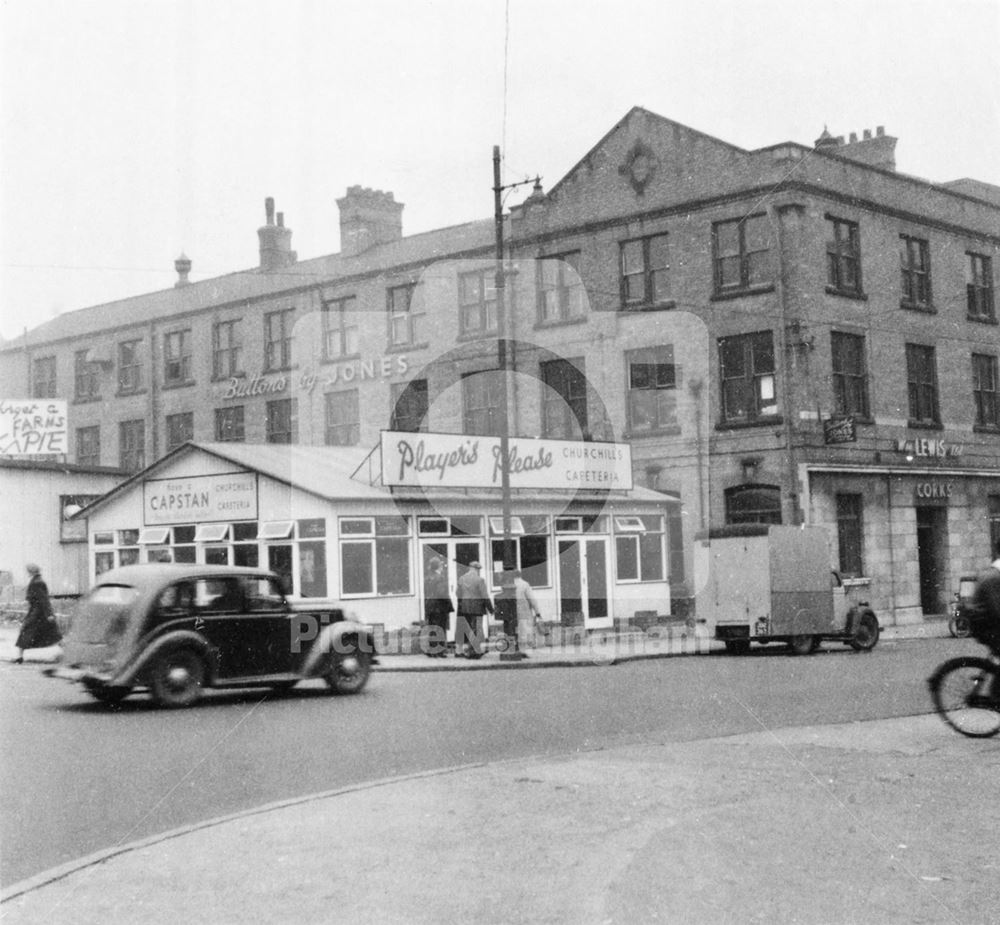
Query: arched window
x=753, y=504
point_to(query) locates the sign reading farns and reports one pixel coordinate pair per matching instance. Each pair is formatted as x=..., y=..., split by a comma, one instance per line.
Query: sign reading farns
x=463, y=461
x=32, y=427
x=200, y=499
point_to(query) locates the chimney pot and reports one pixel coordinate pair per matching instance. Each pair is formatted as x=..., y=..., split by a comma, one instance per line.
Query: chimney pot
x=183, y=266
x=868, y=134
x=275, y=240
x=854, y=138
x=879, y=130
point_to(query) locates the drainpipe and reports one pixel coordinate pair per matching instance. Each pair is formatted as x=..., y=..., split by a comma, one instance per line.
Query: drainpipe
x=786, y=346
x=892, y=556
x=154, y=395
x=696, y=387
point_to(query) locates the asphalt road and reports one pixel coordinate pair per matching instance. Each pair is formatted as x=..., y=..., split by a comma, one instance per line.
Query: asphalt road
x=78, y=777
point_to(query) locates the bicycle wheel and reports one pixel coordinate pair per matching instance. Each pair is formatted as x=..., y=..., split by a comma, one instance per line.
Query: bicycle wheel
x=963, y=693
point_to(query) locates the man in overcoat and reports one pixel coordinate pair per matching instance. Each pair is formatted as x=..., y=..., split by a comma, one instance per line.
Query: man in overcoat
x=473, y=603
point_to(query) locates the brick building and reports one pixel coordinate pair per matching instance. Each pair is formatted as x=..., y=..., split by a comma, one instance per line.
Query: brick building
x=795, y=334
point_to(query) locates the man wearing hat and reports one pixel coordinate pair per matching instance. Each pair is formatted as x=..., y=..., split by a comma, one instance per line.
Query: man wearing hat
x=473, y=602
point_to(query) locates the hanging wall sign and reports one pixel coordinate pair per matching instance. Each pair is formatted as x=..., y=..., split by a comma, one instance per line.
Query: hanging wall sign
x=839, y=429
x=461, y=461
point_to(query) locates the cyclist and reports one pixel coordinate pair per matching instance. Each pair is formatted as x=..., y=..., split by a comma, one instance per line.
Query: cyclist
x=985, y=619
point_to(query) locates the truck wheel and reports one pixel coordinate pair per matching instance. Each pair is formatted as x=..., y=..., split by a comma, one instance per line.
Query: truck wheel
x=737, y=646
x=866, y=633
x=177, y=677
x=803, y=644
x=959, y=626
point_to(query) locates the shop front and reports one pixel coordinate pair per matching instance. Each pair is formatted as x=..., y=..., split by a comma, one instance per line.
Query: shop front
x=327, y=523
x=908, y=533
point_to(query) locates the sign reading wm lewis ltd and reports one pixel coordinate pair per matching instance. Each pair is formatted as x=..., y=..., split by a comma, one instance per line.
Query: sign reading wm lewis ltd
x=462, y=461
x=200, y=499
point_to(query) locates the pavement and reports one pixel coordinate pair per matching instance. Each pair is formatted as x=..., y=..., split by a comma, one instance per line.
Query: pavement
x=598, y=648
x=865, y=822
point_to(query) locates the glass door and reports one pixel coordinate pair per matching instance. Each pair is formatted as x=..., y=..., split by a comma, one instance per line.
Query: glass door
x=455, y=555
x=583, y=581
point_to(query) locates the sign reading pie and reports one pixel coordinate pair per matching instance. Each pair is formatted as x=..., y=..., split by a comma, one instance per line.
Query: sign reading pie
x=460, y=461
x=200, y=499
x=32, y=427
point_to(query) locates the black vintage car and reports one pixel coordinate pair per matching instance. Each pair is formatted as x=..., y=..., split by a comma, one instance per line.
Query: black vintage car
x=176, y=629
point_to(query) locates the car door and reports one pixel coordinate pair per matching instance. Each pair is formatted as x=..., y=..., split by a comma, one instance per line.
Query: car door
x=273, y=623
x=239, y=638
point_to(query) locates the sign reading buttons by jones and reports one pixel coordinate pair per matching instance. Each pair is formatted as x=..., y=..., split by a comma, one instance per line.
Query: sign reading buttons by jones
x=200, y=499
x=932, y=490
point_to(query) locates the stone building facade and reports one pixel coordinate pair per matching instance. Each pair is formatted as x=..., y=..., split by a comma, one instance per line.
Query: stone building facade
x=799, y=333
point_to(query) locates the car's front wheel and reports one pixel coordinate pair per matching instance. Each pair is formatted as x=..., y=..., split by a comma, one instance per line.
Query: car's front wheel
x=108, y=695
x=348, y=670
x=177, y=678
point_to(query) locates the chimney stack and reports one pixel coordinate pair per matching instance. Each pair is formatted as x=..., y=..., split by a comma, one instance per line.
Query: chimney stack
x=275, y=240
x=183, y=266
x=368, y=217
x=879, y=151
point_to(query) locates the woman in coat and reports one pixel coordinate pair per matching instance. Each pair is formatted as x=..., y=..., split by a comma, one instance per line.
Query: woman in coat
x=437, y=607
x=40, y=628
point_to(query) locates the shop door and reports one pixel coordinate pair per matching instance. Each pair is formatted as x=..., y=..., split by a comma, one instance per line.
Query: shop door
x=279, y=560
x=455, y=555
x=583, y=582
x=931, y=546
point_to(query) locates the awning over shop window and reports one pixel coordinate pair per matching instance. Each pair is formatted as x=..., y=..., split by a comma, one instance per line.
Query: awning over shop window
x=516, y=525
x=276, y=530
x=211, y=533
x=629, y=524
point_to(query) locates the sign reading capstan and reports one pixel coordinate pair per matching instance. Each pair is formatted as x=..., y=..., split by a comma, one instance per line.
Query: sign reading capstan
x=200, y=499
x=431, y=460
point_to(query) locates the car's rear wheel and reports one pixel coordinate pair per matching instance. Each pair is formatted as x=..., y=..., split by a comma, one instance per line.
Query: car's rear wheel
x=177, y=678
x=348, y=669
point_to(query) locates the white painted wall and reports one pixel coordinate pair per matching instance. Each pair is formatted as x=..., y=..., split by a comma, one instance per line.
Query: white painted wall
x=30, y=526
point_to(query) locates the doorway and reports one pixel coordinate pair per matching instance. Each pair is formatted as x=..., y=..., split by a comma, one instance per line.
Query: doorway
x=583, y=581
x=455, y=555
x=279, y=560
x=932, y=535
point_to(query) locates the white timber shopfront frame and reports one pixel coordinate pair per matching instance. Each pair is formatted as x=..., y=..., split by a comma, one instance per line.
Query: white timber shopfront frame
x=309, y=514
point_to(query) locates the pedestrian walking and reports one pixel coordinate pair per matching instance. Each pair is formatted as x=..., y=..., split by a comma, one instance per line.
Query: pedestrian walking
x=39, y=629
x=437, y=609
x=527, y=612
x=473, y=603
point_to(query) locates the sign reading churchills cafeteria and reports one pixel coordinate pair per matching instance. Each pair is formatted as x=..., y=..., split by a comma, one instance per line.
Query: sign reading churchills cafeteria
x=462, y=461
x=199, y=499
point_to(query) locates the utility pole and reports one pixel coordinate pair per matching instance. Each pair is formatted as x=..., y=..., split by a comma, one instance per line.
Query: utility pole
x=506, y=600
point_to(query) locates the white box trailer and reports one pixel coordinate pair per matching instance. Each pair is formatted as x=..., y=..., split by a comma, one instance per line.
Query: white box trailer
x=770, y=583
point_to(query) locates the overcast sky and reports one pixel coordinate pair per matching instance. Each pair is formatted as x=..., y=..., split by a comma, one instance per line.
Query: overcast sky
x=132, y=131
